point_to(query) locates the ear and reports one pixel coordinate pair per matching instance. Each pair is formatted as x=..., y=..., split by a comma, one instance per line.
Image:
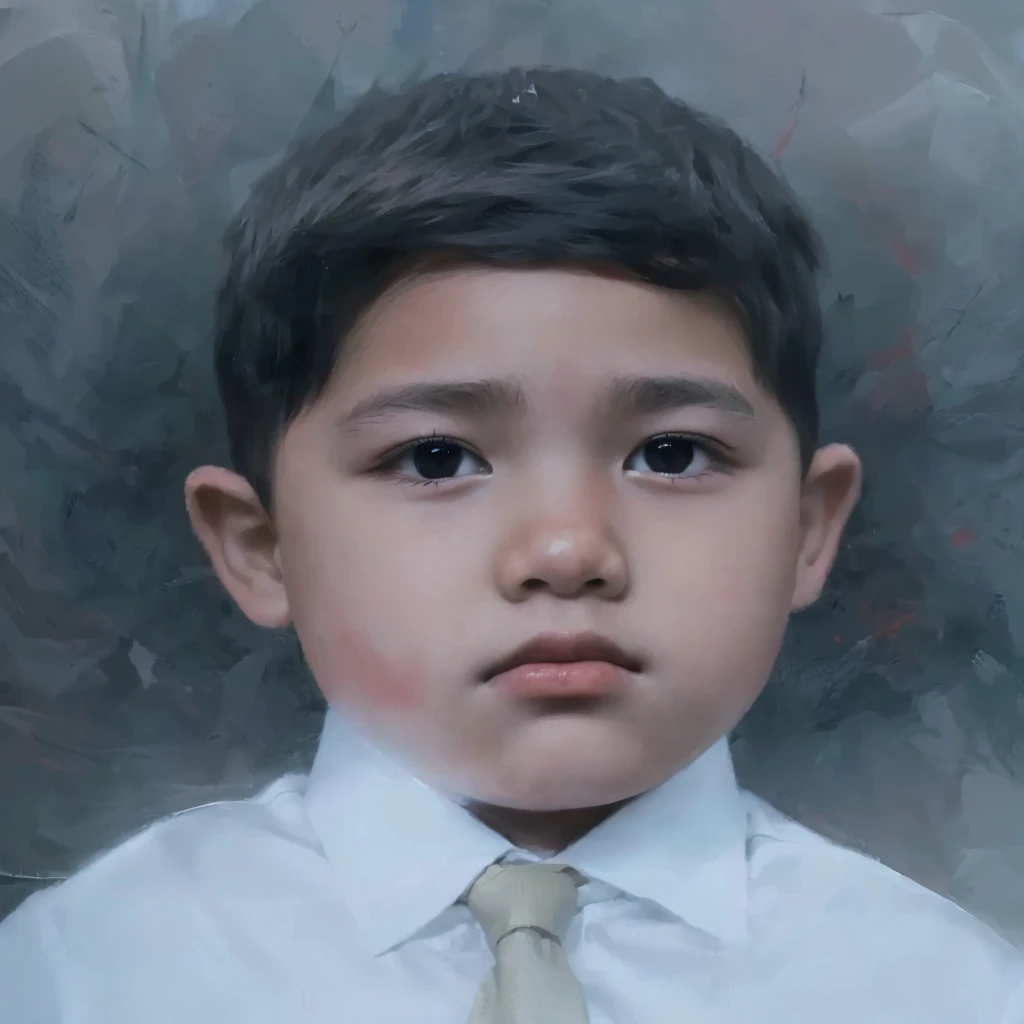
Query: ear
x=240, y=540
x=830, y=492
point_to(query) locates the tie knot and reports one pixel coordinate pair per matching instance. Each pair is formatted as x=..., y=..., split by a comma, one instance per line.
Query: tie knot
x=540, y=897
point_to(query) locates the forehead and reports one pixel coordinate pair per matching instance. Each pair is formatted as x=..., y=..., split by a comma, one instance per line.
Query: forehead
x=540, y=325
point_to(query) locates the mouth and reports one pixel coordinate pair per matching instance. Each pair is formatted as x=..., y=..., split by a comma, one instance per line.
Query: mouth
x=565, y=666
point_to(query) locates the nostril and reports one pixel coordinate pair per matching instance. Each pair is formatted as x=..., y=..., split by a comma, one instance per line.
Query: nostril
x=535, y=584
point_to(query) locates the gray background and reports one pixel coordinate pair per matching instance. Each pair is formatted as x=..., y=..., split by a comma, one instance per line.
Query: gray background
x=130, y=129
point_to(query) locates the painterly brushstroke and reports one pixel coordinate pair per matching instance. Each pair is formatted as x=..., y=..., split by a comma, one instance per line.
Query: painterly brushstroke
x=128, y=686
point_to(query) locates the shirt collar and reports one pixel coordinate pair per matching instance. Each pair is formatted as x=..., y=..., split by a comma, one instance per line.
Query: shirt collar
x=682, y=845
x=403, y=852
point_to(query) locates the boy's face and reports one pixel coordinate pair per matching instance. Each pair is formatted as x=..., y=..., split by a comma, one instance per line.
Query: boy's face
x=512, y=454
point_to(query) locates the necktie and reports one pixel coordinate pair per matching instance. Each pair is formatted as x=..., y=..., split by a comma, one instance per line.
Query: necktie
x=524, y=910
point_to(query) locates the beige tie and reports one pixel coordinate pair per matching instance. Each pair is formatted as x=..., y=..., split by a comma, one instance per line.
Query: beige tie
x=524, y=910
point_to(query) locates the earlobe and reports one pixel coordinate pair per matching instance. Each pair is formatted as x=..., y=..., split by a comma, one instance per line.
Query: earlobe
x=831, y=489
x=239, y=538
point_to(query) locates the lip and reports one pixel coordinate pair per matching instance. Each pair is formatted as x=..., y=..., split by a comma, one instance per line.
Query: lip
x=561, y=665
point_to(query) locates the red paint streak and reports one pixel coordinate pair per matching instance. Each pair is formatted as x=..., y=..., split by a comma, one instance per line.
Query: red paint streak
x=914, y=260
x=888, y=623
x=785, y=139
x=790, y=130
x=904, y=390
x=902, y=350
x=890, y=630
x=901, y=394
x=963, y=538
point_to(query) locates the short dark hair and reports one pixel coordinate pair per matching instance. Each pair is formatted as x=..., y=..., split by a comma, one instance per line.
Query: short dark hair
x=518, y=168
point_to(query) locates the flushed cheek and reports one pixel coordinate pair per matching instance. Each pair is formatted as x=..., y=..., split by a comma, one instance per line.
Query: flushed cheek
x=350, y=669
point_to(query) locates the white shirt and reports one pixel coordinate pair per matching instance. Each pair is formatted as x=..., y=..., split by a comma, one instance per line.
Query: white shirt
x=333, y=900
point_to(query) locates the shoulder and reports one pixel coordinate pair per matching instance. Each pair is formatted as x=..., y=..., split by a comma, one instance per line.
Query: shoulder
x=153, y=887
x=804, y=864
x=195, y=846
x=855, y=908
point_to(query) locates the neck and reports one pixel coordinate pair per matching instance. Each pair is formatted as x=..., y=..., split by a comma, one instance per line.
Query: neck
x=545, y=832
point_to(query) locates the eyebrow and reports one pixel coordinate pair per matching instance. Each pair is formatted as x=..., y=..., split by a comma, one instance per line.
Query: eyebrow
x=473, y=398
x=648, y=396
x=628, y=396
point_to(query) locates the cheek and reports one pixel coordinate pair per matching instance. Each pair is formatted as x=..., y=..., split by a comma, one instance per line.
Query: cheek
x=350, y=669
x=727, y=589
x=335, y=598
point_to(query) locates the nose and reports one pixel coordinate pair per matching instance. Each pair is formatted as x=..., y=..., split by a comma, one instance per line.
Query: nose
x=565, y=556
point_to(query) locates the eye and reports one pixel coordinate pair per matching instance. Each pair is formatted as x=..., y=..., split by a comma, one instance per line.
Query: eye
x=437, y=458
x=673, y=455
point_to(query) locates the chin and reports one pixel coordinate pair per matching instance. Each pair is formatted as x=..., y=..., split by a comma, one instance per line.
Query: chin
x=575, y=800
x=558, y=764
x=567, y=783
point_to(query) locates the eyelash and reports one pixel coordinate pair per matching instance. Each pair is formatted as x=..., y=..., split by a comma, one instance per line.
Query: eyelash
x=387, y=467
x=718, y=453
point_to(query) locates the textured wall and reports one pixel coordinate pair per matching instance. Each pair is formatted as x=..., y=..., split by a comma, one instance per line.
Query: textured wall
x=132, y=128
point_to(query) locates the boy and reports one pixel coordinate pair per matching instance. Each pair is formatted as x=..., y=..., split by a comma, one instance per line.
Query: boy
x=519, y=379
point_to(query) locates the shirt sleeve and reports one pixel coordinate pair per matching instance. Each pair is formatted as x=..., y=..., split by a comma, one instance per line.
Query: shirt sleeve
x=30, y=982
